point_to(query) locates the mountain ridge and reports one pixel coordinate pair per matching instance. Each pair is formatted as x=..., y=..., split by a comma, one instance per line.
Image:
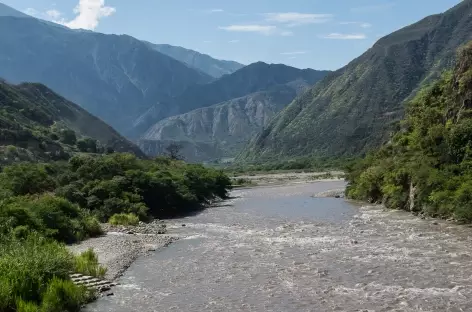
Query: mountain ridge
x=38, y=122
x=353, y=109
x=203, y=62
x=102, y=73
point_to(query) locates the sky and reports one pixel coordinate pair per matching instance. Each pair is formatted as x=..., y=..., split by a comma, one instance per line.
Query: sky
x=318, y=34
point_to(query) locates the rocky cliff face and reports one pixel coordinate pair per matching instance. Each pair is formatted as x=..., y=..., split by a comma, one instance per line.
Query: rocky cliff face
x=222, y=130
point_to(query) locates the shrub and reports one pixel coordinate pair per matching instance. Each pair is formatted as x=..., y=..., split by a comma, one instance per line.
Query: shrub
x=27, y=265
x=87, y=263
x=63, y=295
x=23, y=306
x=26, y=178
x=124, y=219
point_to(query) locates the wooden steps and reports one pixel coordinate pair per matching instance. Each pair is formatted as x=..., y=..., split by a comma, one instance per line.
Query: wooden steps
x=101, y=285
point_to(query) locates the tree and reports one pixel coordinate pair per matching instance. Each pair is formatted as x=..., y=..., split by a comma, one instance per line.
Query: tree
x=173, y=151
x=68, y=137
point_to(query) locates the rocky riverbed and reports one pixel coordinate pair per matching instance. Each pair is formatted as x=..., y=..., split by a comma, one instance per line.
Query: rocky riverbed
x=120, y=246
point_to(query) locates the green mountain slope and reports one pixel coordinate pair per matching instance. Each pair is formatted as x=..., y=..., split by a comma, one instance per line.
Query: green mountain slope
x=38, y=124
x=426, y=167
x=353, y=109
x=205, y=63
x=116, y=78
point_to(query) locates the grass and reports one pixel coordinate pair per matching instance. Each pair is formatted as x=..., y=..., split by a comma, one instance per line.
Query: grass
x=124, y=219
x=87, y=263
x=31, y=269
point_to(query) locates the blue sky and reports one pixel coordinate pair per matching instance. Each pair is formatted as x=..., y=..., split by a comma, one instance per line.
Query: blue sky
x=320, y=34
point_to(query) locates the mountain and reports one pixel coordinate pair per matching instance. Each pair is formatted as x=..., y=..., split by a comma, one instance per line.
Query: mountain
x=217, y=131
x=215, y=120
x=425, y=167
x=8, y=11
x=202, y=62
x=38, y=124
x=250, y=79
x=354, y=108
x=116, y=78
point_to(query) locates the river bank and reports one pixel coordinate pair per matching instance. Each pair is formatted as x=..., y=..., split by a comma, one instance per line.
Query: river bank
x=119, y=247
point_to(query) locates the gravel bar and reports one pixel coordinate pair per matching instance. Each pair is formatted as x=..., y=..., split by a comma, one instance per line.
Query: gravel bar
x=121, y=246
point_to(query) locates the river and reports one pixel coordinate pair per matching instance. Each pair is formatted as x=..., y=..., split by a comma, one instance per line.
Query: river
x=279, y=249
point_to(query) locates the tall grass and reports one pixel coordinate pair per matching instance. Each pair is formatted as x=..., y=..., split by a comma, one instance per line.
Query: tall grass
x=28, y=266
x=124, y=219
x=87, y=263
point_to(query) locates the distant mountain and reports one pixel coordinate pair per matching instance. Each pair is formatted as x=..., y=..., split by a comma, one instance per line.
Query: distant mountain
x=205, y=63
x=8, y=11
x=354, y=108
x=38, y=124
x=221, y=130
x=250, y=79
x=116, y=78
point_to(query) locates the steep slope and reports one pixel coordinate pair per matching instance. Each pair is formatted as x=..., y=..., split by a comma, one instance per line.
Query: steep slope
x=116, y=78
x=205, y=63
x=36, y=123
x=219, y=130
x=425, y=168
x=353, y=109
x=250, y=79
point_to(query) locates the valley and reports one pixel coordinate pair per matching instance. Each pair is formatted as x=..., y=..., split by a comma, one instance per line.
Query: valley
x=236, y=157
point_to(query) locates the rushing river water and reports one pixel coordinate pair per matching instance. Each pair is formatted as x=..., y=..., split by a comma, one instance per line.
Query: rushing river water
x=278, y=249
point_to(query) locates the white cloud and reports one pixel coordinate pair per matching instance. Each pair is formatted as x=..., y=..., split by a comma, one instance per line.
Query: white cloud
x=262, y=29
x=294, y=53
x=296, y=19
x=53, y=14
x=216, y=11
x=344, y=36
x=233, y=41
x=363, y=25
x=31, y=12
x=207, y=41
x=88, y=14
x=286, y=33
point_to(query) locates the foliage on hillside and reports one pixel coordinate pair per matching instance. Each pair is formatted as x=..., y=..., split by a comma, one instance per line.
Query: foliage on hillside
x=355, y=108
x=37, y=124
x=427, y=166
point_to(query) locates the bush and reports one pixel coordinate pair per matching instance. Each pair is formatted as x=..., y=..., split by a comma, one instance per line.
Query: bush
x=26, y=178
x=53, y=216
x=124, y=219
x=23, y=306
x=87, y=263
x=26, y=267
x=64, y=296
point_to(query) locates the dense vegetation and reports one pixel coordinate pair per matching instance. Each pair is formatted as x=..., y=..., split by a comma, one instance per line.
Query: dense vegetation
x=354, y=109
x=36, y=124
x=295, y=164
x=427, y=166
x=45, y=205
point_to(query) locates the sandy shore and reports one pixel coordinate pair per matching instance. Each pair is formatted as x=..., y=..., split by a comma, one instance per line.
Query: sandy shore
x=286, y=178
x=120, y=247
